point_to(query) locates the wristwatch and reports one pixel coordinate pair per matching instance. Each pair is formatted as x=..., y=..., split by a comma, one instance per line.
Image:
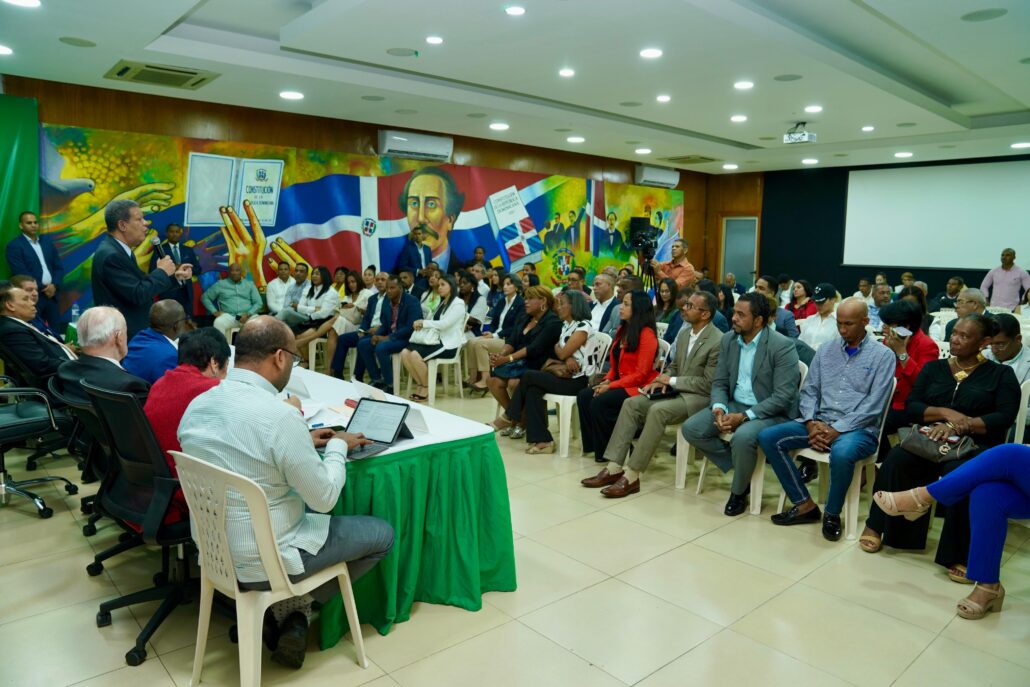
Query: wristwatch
x=903, y=357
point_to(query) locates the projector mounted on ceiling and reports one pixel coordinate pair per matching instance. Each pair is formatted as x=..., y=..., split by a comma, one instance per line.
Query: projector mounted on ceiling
x=415, y=146
x=797, y=134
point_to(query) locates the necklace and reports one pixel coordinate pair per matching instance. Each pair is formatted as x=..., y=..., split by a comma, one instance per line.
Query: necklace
x=964, y=372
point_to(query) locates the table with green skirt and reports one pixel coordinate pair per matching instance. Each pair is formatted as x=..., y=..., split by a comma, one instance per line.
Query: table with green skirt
x=448, y=504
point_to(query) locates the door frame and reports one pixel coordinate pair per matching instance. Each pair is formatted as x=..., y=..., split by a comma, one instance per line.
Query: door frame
x=723, y=216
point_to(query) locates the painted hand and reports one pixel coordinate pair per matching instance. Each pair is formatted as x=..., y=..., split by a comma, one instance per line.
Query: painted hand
x=283, y=252
x=245, y=247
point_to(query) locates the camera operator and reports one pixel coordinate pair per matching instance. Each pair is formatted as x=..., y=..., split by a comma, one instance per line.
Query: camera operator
x=679, y=268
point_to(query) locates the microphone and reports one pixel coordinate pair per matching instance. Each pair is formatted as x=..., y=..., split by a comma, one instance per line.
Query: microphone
x=156, y=243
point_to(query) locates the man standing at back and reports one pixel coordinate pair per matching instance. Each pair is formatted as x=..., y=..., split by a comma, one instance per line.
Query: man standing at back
x=116, y=277
x=678, y=268
x=181, y=254
x=240, y=425
x=152, y=352
x=755, y=386
x=35, y=255
x=845, y=394
x=1005, y=285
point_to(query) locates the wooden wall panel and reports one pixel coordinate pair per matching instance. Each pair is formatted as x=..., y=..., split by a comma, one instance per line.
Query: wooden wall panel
x=729, y=195
x=86, y=106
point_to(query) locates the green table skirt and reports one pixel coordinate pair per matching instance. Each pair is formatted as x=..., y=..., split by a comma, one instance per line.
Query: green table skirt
x=448, y=504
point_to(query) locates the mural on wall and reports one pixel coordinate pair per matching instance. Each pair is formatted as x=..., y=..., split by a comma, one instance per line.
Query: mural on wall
x=258, y=205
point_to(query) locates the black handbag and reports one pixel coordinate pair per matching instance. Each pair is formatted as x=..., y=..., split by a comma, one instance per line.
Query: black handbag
x=915, y=441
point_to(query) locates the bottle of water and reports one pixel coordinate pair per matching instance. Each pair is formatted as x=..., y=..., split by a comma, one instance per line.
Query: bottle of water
x=75, y=313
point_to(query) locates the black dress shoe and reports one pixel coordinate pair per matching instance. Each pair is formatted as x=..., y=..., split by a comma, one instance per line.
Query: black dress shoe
x=736, y=504
x=831, y=527
x=270, y=630
x=293, y=641
x=809, y=469
x=793, y=517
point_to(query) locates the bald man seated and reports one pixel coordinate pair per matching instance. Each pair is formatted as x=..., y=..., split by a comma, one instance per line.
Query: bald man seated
x=103, y=340
x=843, y=399
x=154, y=350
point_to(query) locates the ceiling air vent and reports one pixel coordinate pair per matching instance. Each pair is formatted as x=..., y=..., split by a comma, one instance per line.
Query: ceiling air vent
x=160, y=75
x=688, y=159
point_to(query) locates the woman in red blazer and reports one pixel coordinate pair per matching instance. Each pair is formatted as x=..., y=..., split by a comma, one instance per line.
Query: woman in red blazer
x=630, y=366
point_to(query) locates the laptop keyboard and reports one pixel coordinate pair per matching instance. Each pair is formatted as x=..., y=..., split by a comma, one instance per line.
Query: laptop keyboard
x=366, y=451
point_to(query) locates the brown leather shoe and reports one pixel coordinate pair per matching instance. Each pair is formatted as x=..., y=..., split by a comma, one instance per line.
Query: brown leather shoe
x=621, y=488
x=601, y=479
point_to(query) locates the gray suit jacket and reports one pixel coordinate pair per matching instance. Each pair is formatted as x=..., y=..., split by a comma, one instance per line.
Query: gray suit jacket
x=775, y=376
x=694, y=372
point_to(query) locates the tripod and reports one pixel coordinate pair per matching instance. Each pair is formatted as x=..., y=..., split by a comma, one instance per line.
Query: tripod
x=645, y=271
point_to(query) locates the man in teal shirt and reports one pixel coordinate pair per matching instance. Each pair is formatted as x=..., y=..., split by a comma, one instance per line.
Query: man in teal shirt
x=232, y=300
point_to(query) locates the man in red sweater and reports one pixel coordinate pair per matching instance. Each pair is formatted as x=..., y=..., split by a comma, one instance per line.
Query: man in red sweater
x=203, y=363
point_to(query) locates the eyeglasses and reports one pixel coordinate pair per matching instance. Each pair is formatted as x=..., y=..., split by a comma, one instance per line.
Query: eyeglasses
x=690, y=306
x=296, y=356
x=1000, y=345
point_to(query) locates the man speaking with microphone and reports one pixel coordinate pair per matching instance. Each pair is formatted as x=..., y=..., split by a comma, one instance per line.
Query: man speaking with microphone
x=117, y=279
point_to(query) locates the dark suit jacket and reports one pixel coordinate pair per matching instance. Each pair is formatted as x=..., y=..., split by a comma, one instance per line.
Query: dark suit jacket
x=409, y=257
x=503, y=329
x=694, y=372
x=120, y=283
x=370, y=309
x=22, y=259
x=409, y=310
x=180, y=292
x=36, y=352
x=98, y=372
x=150, y=355
x=775, y=377
x=785, y=323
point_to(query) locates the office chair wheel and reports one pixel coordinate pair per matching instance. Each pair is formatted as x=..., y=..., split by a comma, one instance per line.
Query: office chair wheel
x=86, y=507
x=136, y=656
x=94, y=569
x=30, y=465
x=125, y=537
x=89, y=529
x=103, y=618
x=46, y=512
x=234, y=634
x=71, y=489
x=160, y=579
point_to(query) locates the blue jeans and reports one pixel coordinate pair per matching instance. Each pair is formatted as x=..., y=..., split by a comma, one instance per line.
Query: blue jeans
x=849, y=448
x=376, y=359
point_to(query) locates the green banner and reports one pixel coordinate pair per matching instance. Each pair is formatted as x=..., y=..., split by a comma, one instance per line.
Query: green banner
x=19, y=165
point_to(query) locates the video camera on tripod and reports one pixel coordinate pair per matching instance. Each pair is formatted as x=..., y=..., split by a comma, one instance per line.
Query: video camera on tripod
x=643, y=238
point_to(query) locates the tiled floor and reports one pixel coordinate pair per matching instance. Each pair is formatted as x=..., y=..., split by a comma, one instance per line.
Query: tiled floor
x=658, y=589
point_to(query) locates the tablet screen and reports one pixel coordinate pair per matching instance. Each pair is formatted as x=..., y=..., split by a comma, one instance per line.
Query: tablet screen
x=378, y=420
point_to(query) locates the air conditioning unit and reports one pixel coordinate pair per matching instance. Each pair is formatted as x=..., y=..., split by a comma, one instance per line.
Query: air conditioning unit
x=415, y=146
x=160, y=75
x=662, y=177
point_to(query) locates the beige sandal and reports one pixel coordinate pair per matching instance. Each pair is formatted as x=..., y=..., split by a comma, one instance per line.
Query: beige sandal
x=888, y=504
x=870, y=543
x=971, y=610
x=545, y=448
x=957, y=573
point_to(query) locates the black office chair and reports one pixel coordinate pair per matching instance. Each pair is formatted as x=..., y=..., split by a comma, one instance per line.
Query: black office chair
x=138, y=491
x=63, y=434
x=27, y=418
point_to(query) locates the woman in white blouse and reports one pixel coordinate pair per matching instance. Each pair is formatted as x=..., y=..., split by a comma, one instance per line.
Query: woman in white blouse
x=318, y=303
x=503, y=318
x=443, y=335
x=430, y=298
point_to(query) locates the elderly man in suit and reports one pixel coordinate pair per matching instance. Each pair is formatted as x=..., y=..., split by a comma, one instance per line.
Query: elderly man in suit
x=181, y=254
x=689, y=378
x=35, y=255
x=104, y=340
x=40, y=353
x=154, y=350
x=756, y=386
x=117, y=279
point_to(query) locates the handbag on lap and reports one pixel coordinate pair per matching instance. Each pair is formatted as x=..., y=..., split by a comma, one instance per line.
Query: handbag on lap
x=915, y=441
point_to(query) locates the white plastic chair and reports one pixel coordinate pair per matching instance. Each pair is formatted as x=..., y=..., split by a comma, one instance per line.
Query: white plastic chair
x=434, y=366
x=757, y=477
x=599, y=343
x=205, y=486
x=855, y=488
x=997, y=310
x=313, y=353
x=1019, y=428
x=944, y=347
x=661, y=356
x=661, y=328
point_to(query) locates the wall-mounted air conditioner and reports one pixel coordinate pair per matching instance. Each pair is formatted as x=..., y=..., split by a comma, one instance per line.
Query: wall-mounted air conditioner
x=662, y=177
x=415, y=146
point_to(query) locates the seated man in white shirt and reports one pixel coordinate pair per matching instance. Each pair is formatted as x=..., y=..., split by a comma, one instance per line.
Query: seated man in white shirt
x=1007, y=348
x=275, y=291
x=822, y=326
x=604, y=302
x=239, y=425
x=865, y=291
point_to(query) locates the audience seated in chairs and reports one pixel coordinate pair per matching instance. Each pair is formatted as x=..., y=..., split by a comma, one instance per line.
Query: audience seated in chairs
x=152, y=351
x=239, y=425
x=1007, y=347
x=430, y=298
x=369, y=324
x=103, y=338
x=842, y=402
x=916, y=295
x=719, y=319
x=821, y=327
x=505, y=313
x=946, y=298
x=996, y=485
x=203, y=357
x=781, y=319
x=438, y=337
x=802, y=300
x=38, y=353
x=687, y=380
x=400, y=311
x=233, y=300
x=531, y=343
x=965, y=395
x=969, y=302
x=29, y=284
x=665, y=300
x=566, y=372
x=755, y=386
x=475, y=303
x=882, y=295
x=317, y=304
x=631, y=366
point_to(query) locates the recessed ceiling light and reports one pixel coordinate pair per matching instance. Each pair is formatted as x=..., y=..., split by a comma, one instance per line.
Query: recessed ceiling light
x=744, y=85
x=1020, y=145
x=434, y=40
x=499, y=126
x=984, y=15
x=291, y=95
x=23, y=3
x=902, y=155
x=642, y=151
x=76, y=42
x=868, y=128
x=810, y=161
x=730, y=166
x=514, y=10
x=651, y=53
x=575, y=139
x=814, y=109
x=4, y=50
x=738, y=118
x=566, y=72
x=663, y=98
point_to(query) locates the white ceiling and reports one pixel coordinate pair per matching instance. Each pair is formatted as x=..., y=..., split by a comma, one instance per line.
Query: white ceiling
x=959, y=86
